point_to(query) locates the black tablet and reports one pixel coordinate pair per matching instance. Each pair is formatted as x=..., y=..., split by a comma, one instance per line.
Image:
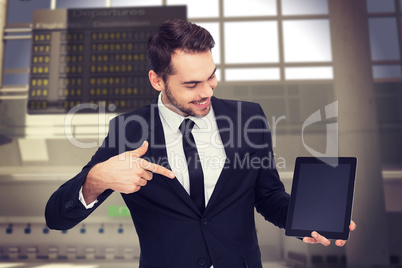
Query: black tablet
x=322, y=197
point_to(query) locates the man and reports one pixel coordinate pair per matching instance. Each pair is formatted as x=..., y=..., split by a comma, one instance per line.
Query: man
x=191, y=206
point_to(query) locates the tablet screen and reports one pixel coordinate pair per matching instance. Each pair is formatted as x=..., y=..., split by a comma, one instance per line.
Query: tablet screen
x=321, y=198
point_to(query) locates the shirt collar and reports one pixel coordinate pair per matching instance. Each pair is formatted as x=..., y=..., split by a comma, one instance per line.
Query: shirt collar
x=174, y=120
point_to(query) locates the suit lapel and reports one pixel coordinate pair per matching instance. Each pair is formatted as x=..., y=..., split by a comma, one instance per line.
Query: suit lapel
x=157, y=152
x=227, y=126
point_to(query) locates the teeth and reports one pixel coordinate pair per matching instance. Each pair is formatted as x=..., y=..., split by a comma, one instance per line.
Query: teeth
x=201, y=103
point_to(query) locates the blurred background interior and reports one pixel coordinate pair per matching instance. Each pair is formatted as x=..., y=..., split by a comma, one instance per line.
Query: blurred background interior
x=294, y=57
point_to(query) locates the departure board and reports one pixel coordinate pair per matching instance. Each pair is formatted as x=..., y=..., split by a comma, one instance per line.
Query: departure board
x=92, y=59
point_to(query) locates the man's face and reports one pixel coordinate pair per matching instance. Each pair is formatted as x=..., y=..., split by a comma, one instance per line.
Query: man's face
x=189, y=90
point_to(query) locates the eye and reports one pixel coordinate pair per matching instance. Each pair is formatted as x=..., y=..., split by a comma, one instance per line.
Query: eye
x=195, y=84
x=212, y=77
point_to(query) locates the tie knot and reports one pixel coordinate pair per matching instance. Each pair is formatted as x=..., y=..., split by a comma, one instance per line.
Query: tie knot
x=186, y=126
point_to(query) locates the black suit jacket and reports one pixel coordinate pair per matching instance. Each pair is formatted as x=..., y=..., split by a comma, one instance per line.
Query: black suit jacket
x=171, y=230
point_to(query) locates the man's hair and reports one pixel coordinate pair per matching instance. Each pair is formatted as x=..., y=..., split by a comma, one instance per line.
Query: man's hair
x=175, y=35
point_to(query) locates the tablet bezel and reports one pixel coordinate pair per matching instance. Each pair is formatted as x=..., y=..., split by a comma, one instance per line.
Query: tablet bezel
x=352, y=161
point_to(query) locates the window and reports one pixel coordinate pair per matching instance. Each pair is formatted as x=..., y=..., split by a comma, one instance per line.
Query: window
x=276, y=40
x=304, y=7
x=265, y=40
x=306, y=73
x=19, y=11
x=252, y=74
x=199, y=9
x=80, y=3
x=12, y=79
x=384, y=21
x=213, y=28
x=16, y=62
x=307, y=40
x=241, y=8
x=375, y=6
x=259, y=45
x=384, y=39
x=387, y=71
x=17, y=54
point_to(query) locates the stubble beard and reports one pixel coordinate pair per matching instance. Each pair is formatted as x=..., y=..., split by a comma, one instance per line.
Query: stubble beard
x=177, y=107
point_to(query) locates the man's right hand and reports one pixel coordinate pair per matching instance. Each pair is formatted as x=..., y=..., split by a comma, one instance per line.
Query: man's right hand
x=125, y=173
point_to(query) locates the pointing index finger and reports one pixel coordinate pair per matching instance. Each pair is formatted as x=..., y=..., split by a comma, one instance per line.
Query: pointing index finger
x=158, y=169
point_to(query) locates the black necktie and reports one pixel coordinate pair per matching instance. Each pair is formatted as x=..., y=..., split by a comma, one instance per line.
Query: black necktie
x=194, y=165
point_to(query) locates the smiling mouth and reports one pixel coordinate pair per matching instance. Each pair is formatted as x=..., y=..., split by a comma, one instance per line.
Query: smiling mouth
x=201, y=103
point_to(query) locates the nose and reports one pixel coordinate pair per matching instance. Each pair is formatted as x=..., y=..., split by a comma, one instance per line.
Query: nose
x=207, y=89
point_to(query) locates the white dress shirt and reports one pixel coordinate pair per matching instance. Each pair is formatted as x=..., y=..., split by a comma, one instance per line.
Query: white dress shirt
x=209, y=145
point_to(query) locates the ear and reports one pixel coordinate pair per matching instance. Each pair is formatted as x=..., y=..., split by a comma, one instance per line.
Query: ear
x=156, y=81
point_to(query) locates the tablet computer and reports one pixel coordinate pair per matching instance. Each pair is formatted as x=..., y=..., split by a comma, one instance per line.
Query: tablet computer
x=322, y=197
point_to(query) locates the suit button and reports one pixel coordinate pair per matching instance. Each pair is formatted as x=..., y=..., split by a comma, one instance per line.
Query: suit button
x=204, y=221
x=201, y=262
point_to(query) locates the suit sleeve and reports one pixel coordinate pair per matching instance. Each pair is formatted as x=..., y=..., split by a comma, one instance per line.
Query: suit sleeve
x=64, y=210
x=271, y=200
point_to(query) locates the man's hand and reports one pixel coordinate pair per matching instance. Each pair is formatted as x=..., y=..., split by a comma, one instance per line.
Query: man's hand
x=125, y=173
x=317, y=238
